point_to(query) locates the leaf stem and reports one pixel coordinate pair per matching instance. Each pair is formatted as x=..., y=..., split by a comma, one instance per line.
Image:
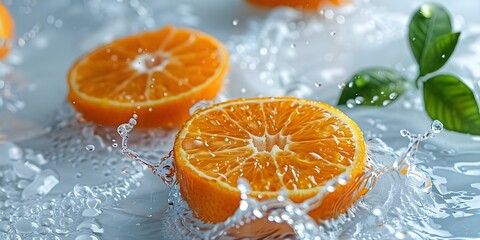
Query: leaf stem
x=418, y=80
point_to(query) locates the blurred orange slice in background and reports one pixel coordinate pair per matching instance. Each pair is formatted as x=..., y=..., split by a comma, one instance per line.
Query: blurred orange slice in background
x=7, y=26
x=157, y=75
x=299, y=4
x=273, y=143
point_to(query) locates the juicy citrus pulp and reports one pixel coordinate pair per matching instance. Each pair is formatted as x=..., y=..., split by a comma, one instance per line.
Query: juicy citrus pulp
x=301, y=4
x=273, y=143
x=157, y=75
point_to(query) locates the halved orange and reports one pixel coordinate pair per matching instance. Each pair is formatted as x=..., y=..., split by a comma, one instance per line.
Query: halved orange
x=300, y=4
x=6, y=30
x=273, y=143
x=157, y=75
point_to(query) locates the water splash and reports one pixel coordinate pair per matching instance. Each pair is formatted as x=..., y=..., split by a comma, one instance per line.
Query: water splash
x=400, y=195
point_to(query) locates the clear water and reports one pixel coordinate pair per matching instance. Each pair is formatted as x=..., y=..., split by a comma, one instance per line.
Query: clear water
x=67, y=179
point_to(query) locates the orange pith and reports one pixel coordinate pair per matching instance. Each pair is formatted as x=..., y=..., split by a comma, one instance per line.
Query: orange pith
x=6, y=30
x=157, y=75
x=300, y=4
x=273, y=143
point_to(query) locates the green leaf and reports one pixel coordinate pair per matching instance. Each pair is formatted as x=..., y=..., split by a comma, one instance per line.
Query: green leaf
x=373, y=87
x=430, y=22
x=450, y=101
x=438, y=53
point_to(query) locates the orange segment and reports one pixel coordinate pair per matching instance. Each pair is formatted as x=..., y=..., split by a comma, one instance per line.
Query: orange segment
x=157, y=75
x=300, y=4
x=6, y=30
x=273, y=143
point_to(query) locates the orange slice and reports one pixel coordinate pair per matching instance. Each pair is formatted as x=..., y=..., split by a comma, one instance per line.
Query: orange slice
x=300, y=4
x=157, y=75
x=273, y=143
x=6, y=30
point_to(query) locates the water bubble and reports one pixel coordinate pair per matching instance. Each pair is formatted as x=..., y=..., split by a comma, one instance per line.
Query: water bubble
x=114, y=145
x=340, y=19
x=235, y=22
x=90, y=148
x=437, y=126
x=25, y=226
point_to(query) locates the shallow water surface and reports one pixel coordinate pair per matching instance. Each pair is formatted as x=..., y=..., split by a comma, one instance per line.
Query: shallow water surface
x=66, y=179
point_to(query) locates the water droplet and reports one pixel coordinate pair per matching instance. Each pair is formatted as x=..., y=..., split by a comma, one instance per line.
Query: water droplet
x=114, y=145
x=340, y=19
x=359, y=100
x=293, y=45
x=350, y=103
x=333, y=33
x=341, y=86
x=90, y=148
x=443, y=55
x=393, y=95
x=404, y=133
x=25, y=226
x=437, y=126
x=318, y=84
x=377, y=212
x=400, y=235
x=235, y=22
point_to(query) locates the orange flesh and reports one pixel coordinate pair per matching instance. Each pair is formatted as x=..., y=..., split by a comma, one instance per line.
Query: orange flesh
x=272, y=143
x=158, y=75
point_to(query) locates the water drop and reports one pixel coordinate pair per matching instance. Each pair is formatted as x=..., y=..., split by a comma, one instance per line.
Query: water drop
x=114, y=145
x=443, y=55
x=341, y=86
x=393, y=95
x=90, y=148
x=400, y=235
x=377, y=212
x=340, y=19
x=359, y=100
x=293, y=45
x=332, y=33
x=318, y=84
x=235, y=22
x=350, y=103
x=437, y=126
x=404, y=133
